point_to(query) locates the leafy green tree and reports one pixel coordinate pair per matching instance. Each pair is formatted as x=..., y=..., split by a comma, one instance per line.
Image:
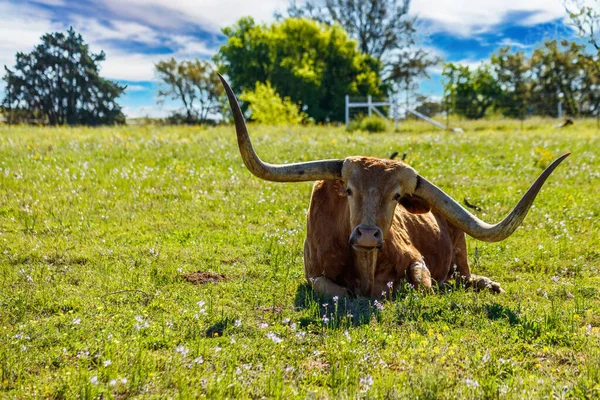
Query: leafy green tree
x=59, y=83
x=469, y=93
x=383, y=30
x=512, y=72
x=314, y=64
x=194, y=83
x=268, y=108
x=560, y=72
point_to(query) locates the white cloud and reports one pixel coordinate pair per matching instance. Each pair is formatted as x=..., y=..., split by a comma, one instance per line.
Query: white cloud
x=135, y=88
x=116, y=30
x=211, y=15
x=470, y=17
x=514, y=43
x=147, y=111
x=129, y=67
x=21, y=31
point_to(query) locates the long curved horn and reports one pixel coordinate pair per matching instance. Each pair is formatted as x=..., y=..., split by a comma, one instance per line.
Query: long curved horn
x=470, y=224
x=307, y=171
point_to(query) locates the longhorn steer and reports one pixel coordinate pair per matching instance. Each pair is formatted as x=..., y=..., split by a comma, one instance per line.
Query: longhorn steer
x=359, y=239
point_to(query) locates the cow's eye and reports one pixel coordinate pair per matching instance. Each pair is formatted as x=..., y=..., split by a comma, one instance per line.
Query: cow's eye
x=349, y=191
x=397, y=197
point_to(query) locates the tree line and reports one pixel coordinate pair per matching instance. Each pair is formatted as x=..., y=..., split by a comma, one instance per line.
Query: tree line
x=299, y=68
x=514, y=85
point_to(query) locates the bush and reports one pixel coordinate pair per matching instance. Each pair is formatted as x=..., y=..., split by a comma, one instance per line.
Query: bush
x=371, y=124
x=268, y=108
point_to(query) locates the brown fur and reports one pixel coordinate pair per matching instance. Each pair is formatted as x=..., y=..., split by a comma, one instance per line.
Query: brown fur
x=418, y=246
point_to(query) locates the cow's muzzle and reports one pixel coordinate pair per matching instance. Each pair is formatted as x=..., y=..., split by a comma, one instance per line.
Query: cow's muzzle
x=368, y=237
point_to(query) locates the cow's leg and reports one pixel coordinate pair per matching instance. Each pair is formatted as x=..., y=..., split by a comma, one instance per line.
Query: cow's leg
x=463, y=273
x=419, y=276
x=326, y=287
x=478, y=282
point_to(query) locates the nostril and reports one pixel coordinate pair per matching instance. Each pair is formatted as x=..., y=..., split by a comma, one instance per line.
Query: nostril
x=358, y=232
x=376, y=234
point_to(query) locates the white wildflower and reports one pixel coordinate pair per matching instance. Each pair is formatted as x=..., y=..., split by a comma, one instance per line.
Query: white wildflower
x=366, y=382
x=471, y=383
x=94, y=380
x=486, y=356
x=182, y=350
x=274, y=337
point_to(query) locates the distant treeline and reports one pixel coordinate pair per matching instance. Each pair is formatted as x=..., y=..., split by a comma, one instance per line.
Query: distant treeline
x=299, y=68
x=515, y=85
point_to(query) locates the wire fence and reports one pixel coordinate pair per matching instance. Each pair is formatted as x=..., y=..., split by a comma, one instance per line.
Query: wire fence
x=445, y=113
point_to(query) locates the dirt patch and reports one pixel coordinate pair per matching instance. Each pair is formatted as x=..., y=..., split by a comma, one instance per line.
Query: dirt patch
x=202, y=277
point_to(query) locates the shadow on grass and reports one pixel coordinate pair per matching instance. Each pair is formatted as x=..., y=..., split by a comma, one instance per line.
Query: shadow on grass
x=342, y=313
x=408, y=305
x=497, y=311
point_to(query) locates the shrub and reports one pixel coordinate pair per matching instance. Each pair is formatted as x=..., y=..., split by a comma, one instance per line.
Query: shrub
x=371, y=124
x=268, y=108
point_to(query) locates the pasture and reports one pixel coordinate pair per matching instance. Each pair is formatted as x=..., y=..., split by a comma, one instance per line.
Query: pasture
x=99, y=229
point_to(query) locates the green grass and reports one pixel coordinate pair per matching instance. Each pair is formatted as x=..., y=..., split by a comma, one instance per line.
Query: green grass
x=97, y=227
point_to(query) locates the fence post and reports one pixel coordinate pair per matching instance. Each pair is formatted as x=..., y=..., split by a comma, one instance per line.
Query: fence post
x=396, y=112
x=560, y=109
x=347, y=111
x=369, y=101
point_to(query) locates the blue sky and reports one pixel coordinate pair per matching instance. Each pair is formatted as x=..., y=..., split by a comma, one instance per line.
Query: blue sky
x=137, y=33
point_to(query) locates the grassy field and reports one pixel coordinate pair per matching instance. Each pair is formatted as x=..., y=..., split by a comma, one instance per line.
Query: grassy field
x=100, y=227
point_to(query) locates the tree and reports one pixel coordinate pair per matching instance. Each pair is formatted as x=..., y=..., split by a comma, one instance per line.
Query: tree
x=469, y=93
x=383, y=30
x=379, y=26
x=585, y=18
x=268, y=108
x=59, y=83
x=194, y=83
x=410, y=66
x=314, y=64
x=512, y=72
x=428, y=106
x=559, y=72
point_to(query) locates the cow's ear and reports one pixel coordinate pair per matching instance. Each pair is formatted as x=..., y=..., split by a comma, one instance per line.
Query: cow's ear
x=340, y=188
x=415, y=205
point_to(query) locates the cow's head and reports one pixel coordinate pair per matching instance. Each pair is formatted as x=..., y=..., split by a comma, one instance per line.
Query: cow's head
x=374, y=188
